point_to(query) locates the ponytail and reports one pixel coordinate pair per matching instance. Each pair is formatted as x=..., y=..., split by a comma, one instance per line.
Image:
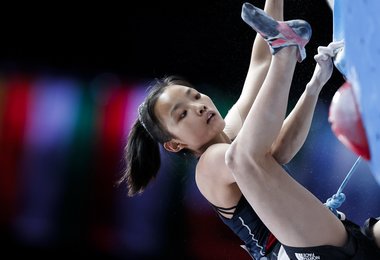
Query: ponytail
x=142, y=152
x=143, y=159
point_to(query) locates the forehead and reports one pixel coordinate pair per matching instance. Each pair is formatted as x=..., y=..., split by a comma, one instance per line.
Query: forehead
x=169, y=99
x=171, y=94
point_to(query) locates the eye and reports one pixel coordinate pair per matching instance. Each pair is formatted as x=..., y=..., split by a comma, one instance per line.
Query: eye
x=182, y=115
x=198, y=96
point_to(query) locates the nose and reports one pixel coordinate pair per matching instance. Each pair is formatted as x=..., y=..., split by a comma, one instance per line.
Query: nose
x=200, y=109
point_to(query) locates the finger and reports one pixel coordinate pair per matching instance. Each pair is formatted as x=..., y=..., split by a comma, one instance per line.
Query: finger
x=320, y=57
x=326, y=51
x=336, y=45
x=332, y=49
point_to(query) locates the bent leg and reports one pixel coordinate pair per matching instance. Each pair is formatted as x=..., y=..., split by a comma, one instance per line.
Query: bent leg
x=294, y=215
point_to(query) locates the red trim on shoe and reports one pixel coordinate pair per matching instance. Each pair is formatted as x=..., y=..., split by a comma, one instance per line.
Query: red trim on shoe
x=289, y=34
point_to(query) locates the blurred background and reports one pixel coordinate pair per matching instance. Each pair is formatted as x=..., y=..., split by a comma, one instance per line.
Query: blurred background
x=71, y=79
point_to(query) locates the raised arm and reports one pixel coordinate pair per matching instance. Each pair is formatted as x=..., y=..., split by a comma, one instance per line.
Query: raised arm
x=257, y=71
x=297, y=124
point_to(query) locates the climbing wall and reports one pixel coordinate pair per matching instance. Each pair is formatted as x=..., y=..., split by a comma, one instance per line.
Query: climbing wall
x=358, y=24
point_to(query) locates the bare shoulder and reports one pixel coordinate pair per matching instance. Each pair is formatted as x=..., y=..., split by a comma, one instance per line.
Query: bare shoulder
x=211, y=167
x=214, y=179
x=212, y=159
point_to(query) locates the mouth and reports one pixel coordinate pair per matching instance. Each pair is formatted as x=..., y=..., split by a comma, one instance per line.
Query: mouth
x=210, y=115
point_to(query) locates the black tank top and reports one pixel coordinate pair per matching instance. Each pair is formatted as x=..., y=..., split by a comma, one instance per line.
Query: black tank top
x=245, y=223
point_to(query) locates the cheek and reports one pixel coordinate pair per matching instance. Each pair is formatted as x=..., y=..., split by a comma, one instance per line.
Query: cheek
x=188, y=131
x=190, y=134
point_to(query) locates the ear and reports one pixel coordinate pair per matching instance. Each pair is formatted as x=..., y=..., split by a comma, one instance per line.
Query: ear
x=173, y=146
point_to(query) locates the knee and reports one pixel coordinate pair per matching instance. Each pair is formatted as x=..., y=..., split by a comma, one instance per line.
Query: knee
x=376, y=233
x=237, y=158
x=371, y=229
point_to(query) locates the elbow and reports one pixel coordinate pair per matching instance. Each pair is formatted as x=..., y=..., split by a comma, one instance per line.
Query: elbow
x=282, y=159
x=282, y=156
x=231, y=156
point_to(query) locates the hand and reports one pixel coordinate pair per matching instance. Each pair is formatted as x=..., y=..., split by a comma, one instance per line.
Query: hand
x=324, y=68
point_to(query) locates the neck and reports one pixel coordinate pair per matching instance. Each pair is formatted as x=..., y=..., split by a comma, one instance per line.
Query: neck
x=221, y=138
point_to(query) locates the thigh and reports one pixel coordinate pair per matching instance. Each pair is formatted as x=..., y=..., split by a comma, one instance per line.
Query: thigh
x=358, y=246
x=292, y=213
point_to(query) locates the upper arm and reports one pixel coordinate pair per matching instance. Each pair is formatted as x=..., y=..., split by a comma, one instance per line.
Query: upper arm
x=239, y=111
x=212, y=165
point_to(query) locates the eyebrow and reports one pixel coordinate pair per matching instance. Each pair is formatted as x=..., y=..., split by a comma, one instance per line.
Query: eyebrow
x=177, y=105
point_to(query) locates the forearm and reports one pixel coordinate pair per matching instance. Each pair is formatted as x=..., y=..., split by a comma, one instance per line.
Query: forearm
x=296, y=126
x=260, y=51
x=259, y=61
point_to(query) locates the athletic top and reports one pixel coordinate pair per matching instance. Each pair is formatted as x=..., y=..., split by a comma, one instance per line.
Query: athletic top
x=258, y=240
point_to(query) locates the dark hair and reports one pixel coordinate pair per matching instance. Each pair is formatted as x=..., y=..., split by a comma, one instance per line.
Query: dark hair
x=142, y=151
